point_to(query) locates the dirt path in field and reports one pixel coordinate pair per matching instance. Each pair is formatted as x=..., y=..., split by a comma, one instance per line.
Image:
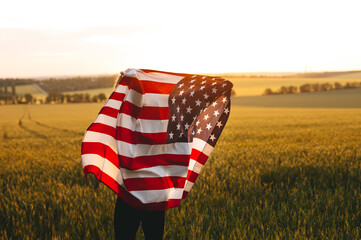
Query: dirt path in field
x=27, y=115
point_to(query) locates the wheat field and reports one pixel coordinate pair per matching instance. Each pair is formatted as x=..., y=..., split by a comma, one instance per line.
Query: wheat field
x=276, y=173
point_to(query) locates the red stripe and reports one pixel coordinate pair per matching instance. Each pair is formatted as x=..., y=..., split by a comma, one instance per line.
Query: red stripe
x=192, y=176
x=126, y=196
x=152, y=161
x=198, y=156
x=151, y=113
x=117, y=96
x=144, y=86
x=109, y=111
x=101, y=150
x=133, y=137
x=102, y=128
x=156, y=87
x=185, y=193
x=134, y=184
x=171, y=73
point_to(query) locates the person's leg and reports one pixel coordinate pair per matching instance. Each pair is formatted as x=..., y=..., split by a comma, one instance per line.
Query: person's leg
x=153, y=224
x=126, y=221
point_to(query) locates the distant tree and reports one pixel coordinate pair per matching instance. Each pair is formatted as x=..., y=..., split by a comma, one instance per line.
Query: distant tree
x=95, y=98
x=86, y=97
x=337, y=85
x=28, y=98
x=326, y=87
x=68, y=98
x=77, y=97
x=292, y=89
x=268, y=91
x=101, y=97
x=305, y=88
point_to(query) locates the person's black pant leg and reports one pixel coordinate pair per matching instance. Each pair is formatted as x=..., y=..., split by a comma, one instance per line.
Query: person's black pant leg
x=126, y=221
x=153, y=224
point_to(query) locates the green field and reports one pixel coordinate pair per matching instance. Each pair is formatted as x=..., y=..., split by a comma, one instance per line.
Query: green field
x=276, y=173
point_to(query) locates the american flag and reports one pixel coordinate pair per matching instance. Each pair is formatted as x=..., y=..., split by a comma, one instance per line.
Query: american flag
x=154, y=134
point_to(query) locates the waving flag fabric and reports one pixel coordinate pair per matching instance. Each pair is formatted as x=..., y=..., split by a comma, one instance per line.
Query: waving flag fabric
x=154, y=134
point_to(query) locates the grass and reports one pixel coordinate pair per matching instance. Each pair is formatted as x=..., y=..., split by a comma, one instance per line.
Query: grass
x=276, y=173
x=350, y=98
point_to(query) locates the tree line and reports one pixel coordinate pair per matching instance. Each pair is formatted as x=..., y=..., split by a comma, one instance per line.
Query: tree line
x=63, y=84
x=52, y=97
x=312, y=87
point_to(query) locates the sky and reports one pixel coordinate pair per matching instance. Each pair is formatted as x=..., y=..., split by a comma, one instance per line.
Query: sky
x=65, y=38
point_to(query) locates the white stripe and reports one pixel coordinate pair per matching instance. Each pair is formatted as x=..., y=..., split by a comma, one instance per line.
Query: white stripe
x=107, y=120
x=104, y=165
x=137, y=150
x=121, y=89
x=188, y=186
x=155, y=100
x=142, y=125
x=147, y=99
x=208, y=149
x=195, y=166
x=157, y=77
x=158, y=171
x=199, y=144
x=113, y=104
x=91, y=136
x=135, y=98
x=153, y=196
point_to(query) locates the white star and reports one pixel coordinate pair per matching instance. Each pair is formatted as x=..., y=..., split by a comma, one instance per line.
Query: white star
x=180, y=85
x=194, y=76
x=191, y=86
x=194, y=118
x=186, y=126
x=206, y=117
x=197, y=123
x=193, y=132
x=181, y=92
x=198, y=103
x=192, y=81
x=224, y=100
x=178, y=126
x=189, y=109
x=181, y=134
x=173, y=118
x=199, y=130
x=205, y=96
x=203, y=77
x=214, y=104
x=214, y=90
x=216, y=113
x=171, y=135
x=212, y=137
x=178, y=108
x=192, y=93
x=202, y=87
x=226, y=111
x=182, y=117
x=203, y=82
x=173, y=100
x=223, y=85
x=207, y=104
x=184, y=100
x=214, y=83
x=208, y=126
x=219, y=124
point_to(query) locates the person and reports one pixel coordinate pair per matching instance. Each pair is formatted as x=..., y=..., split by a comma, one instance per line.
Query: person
x=128, y=219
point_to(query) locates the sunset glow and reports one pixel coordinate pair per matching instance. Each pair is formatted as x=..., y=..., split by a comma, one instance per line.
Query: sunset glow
x=43, y=38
